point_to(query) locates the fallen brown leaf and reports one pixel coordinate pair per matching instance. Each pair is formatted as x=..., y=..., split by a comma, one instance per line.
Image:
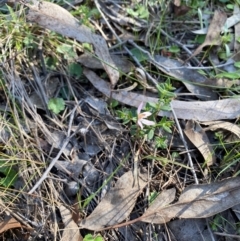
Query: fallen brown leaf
x=117, y=204
x=213, y=35
x=199, y=139
x=196, y=201
x=196, y=110
x=71, y=230
x=216, y=125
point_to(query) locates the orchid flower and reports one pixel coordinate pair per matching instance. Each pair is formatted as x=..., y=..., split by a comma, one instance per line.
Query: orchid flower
x=141, y=117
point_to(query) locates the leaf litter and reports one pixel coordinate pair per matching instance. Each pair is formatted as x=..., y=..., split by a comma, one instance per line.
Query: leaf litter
x=56, y=18
x=196, y=110
x=86, y=159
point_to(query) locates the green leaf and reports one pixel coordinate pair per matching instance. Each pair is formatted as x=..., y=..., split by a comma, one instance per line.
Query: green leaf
x=143, y=12
x=152, y=196
x=99, y=238
x=174, y=49
x=167, y=129
x=113, y=103
x=67, y=51
x=10, y=179
x=51, y=62
x=161, y=142
x=237, y=64
x=29, y=41
x=75, y=69
x=200, y=38
x=88, y=237
x=132, y=12
x=56, y=105
x=150, y=134
x=233, y=75
x=153, y=105
x=87, y=47
x=139, y=54
x=10, y=175
x=230, y=6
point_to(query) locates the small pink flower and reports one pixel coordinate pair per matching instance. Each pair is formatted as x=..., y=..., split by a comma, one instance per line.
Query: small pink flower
x=141, y=118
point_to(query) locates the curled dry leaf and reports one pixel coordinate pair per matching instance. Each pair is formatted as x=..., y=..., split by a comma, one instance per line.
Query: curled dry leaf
x=216, y=125
x=199, y=139
x=213, y=35
x=196, y=201
x=197, y=110
x=56, y=18
x=117, y=204
x=230, y=22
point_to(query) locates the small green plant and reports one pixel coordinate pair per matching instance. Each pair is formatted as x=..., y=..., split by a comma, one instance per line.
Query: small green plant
x=161, y=142
x=144, y=121
x=85, y=12
x=90, y=237
x=140, y=11
x=141, y=57
x=152, y=196
x=174, y=49
x=56, y=105
x=67, y=51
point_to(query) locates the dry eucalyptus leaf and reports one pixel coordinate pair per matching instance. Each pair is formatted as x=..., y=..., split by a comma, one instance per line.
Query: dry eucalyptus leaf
x=191, y=77
x=196, y=201
x=122, y=63
x=213, y=35
x=199, y=139
x=196, y=110
x=162, y=201
x=71, y=230
x=216, y=125
x=117, y=204
x=56, y=18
